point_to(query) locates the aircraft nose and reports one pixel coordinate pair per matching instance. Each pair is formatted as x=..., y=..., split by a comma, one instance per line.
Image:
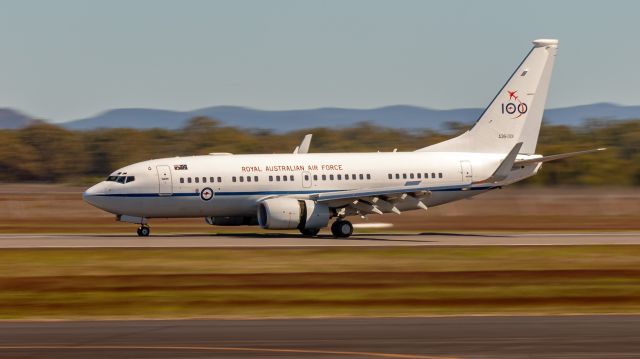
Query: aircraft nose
x=92, y=193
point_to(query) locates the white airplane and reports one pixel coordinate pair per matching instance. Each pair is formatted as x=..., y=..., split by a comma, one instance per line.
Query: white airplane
x=305, y=191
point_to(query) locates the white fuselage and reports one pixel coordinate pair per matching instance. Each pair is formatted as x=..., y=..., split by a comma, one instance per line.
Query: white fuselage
x=183, y=186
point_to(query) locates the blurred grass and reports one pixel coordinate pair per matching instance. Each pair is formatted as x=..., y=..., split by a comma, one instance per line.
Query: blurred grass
x=211, y=282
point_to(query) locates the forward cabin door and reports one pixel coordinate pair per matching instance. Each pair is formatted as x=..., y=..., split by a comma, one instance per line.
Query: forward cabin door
x=467, y=172
x=164, y=178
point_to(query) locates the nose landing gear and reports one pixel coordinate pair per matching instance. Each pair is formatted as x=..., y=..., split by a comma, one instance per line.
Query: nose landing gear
x=143, y=231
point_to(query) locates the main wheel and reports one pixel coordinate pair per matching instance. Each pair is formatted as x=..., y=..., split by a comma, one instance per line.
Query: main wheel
x=342, y=229
x=144, y=231
x=310, y=231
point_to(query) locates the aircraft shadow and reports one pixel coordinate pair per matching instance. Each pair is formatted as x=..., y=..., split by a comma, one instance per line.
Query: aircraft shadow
x=267, y=236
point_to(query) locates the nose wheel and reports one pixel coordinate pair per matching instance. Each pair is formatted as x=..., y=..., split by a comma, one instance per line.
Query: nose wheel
x=143, y=231
x=342, y=229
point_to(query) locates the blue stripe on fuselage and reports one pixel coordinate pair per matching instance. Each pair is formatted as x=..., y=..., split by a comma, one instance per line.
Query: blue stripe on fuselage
x=266, y=193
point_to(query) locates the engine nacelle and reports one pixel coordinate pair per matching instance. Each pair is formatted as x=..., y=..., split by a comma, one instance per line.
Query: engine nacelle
x=231, y=221
x=290, y=213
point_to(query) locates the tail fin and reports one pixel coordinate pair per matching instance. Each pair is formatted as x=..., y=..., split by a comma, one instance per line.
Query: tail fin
x=515, y=114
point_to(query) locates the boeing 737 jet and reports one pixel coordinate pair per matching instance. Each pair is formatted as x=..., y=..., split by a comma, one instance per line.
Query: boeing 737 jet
x=306, y=191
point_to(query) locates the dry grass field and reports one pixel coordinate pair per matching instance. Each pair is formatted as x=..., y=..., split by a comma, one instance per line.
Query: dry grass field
x=293, y=282
x=333, y=281
x=60, y=209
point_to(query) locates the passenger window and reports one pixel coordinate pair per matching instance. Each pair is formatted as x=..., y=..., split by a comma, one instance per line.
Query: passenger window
x=278, y=178
x=233, y=179
x=255, y=178
x=284, y=178
x=361, y=176
x=204, y=179
x=353, y=176
x=306, y=177
x=331, y=177
x=291, y=178
x=181, y=180
x=404, y=176
x=426, y=175
x=433, y=175
x=189, y=179
x=219, y=179
x=248, y=178
x=397, y=176
x=339, y=177
x=440, y=175
x=197, y=179
x=241, y=178
x=324, y=177
x=130, y=179
x=411, y=175
x=270, y=178
x=211, y=179
x=315, y=177
x=390, y=176
x=419, y=175
x=368, y=176
x=346, y=177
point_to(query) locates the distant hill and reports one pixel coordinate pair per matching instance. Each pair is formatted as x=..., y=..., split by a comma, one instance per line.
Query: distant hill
x=401, y=116
x=10, y=119
x=282, y=121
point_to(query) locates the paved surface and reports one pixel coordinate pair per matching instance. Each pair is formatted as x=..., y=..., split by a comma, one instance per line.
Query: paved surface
x=285, y=240
x=446, y=337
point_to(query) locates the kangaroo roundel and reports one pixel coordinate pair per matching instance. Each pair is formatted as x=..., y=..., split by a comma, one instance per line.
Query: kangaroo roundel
x=206, y=194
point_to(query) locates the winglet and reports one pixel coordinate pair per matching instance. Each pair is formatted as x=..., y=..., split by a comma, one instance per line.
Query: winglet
x=304, y=145
x=502, y=172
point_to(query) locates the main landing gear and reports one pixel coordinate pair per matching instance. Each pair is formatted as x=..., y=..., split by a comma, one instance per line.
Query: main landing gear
x=144, y=230
x=310, y=232
x=341, y=228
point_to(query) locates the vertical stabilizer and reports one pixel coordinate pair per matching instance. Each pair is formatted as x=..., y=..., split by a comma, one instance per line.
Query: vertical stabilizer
x=515, y=114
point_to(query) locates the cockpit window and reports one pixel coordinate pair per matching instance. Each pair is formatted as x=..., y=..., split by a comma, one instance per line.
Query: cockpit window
x=121, y=179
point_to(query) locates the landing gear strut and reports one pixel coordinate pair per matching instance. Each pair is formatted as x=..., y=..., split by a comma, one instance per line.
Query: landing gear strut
x=341, y=228
x=143, y=231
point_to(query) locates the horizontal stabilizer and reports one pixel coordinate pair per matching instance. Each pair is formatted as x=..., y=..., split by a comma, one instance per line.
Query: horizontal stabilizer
x=502, y=172
x=555, y=157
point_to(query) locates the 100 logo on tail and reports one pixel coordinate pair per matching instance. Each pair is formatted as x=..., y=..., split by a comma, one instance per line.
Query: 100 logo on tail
x=515, y=107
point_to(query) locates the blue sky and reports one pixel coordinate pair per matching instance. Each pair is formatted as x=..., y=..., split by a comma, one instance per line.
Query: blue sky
x=64, y=60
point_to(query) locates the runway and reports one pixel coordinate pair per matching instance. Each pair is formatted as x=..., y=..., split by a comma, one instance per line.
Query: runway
x=436, y=338
x=291, y=240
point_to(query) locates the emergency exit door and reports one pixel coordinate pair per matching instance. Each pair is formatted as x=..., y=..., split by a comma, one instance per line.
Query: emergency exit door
x=165, y=187
x=306, y=179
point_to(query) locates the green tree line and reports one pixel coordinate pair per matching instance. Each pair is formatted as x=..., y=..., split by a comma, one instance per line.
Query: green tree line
x=47, y=153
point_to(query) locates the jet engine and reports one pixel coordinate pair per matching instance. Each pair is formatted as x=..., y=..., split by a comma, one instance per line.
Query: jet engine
x=290, y=213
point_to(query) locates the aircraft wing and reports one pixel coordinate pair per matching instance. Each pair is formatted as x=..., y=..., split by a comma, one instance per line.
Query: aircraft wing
x=374, y=200
x=554, y=157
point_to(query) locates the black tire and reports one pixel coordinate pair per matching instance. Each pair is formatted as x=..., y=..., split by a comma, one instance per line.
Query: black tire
x=310, y=231
x=144, y=231
x=342, y=229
